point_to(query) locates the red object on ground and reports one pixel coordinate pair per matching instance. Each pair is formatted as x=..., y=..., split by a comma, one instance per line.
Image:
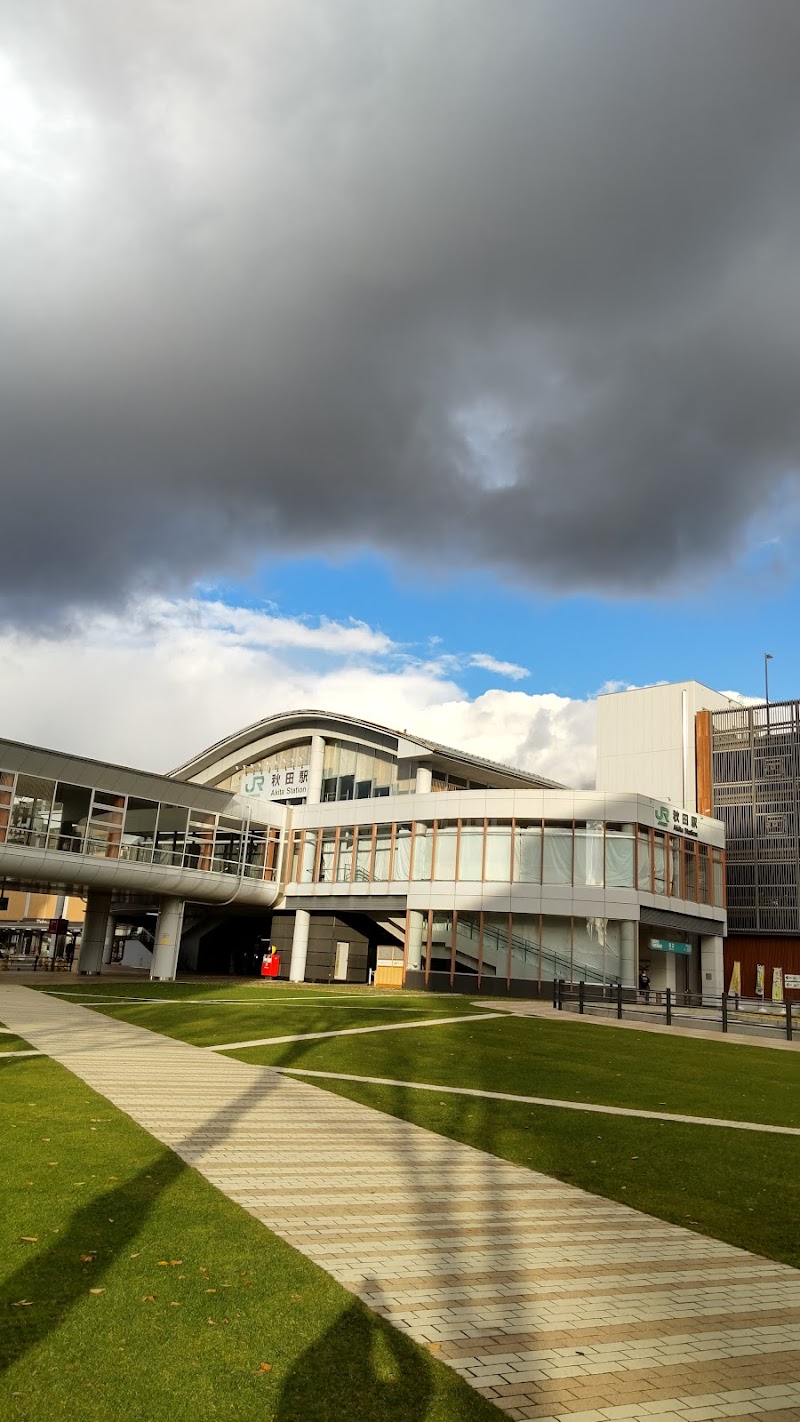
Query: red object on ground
x=270, y=965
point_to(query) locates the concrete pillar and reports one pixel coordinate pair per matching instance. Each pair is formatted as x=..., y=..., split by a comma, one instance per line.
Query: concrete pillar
x=424, y=780
x=108, y=945
x=95, y=924
x=297, y=966
x=712, y=969
x=416, y=927
x=168, y=940
x=628, y=954
x=315, y=768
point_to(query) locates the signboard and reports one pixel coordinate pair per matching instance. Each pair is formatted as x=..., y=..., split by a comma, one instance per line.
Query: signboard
x=669, y=817
x=285, y=784
x=666, y=945
x=792, y=980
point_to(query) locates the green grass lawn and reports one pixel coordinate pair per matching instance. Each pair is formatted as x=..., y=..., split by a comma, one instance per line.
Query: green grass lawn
x=10, y=1042
x=569, y=1061
x=207, y=1014
x=133, y=1288
x=734, y=1185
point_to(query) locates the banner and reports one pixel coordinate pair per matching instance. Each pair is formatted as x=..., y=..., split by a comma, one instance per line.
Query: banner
x=736, y=980
x=759, y=980
x=777, y=984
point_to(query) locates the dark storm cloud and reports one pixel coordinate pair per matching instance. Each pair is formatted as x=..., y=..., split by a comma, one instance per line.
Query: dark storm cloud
x=511, y=283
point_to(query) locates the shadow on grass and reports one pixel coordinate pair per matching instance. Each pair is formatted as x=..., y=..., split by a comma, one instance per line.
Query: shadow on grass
x=360, y=1367
x=37, y=1297
x=380, y=1375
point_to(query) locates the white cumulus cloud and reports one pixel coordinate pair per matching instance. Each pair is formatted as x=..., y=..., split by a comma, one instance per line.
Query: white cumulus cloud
x=157, y=682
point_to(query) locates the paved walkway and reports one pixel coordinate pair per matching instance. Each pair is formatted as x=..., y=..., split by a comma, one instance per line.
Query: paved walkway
x=552, y=1302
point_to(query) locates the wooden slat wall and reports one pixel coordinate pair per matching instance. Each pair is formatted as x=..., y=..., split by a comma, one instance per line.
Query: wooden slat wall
x=772, y=952
x=702, y=743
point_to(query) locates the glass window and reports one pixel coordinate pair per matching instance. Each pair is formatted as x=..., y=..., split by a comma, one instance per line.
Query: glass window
x=719, y=886
x=619, y=857
x=557, y=948
x=383, y=846
x=401, y=862
x=344, y=863
x=690, y=869
x=495, y=944
x=445, y=860
x=674, y=867
x=645, y=861
x=170, y=834
x=498, y=852
x=326, y=856
x=139, y=833
x=557, y=866
x=295, y=857
x=595, y=950
x=70, y=816
x=227, y=846
x=30, y=810
x=105, y=825
x=441, y=941
x=363, y=853
x=470, y=854
x=703, y=875
x=527, y=853
x=525, y=945
x=659, y=862
x=423, y=840
x=199, y=841
x=588, y=851
x=260, y=851
x=308, y=857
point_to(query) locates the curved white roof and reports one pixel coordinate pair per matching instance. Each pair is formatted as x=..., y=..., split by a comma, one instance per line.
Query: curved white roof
x=264, y=736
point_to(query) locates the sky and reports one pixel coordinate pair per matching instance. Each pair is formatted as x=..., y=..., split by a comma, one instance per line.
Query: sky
x=435, y=363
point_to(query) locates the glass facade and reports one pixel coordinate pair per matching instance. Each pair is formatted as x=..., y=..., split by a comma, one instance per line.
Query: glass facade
x=593, y=855
x=50, y=814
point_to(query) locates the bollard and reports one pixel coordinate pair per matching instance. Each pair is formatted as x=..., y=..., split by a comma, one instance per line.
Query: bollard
x=669, y=1007
x=581, y=986
x=724, y=1012
x=619, y=1000
x=788, y=1021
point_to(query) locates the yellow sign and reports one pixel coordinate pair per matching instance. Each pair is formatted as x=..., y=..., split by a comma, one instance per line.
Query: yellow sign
x=736, y=980
x=777, y=984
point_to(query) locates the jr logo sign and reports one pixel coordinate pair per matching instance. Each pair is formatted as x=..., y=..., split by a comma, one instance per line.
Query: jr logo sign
x=662, y=816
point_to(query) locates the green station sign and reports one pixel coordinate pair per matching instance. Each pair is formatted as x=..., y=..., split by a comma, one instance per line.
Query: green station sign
x=666, y=945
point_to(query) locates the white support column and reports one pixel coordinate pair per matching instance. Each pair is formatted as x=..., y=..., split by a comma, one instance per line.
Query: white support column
x=424, y=780
x=712, y=969
x=315, y=768
x=297, y=966
x=167, y=941
x=629, y=957
x=95, y=924
x=416, y=925
x=108, y=946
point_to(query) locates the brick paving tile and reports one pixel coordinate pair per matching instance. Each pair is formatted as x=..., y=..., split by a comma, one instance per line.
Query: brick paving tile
x=550, y=1301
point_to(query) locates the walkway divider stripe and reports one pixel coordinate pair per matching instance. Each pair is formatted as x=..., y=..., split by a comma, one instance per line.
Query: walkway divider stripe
x=539, y=1100
x=352, y=1032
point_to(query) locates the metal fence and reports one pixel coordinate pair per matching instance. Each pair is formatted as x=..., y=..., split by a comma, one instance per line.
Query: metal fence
x=727, y=1012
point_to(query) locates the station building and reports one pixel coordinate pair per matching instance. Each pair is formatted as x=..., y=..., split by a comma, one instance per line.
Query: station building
x=741, y=765
x=353, y=851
